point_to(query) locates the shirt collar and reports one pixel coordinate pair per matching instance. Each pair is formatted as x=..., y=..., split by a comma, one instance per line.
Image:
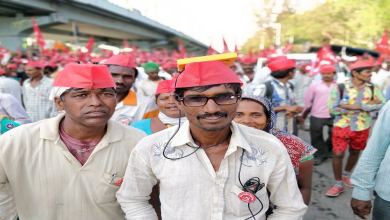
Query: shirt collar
x=278, y=82
x=350, y=85
x=130, y=99
x=183, y=137
x=49, y=129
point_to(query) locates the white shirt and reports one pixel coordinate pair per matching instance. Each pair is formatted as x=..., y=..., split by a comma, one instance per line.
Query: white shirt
x=41, y=180
x=147, y=88
x=12, y=87
x=133, y=108
x=380, y=78
x=262, y=76
x=191, y=189
x=36, y=99
x=301, y=82
x=13, y=108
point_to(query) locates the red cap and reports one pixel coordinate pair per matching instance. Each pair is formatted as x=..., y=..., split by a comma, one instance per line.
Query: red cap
x=166, y=86
x=248, y=60
x=17, y=60
x=86, y=76
x=121, y=60
x=327, y=69
x=168, y=65
x=271, y=59
x=206, y=73
x=281, y=64
x=1, y=71
x=12, y=66
x=360, y=64
x=35, y=64
x=174, y=77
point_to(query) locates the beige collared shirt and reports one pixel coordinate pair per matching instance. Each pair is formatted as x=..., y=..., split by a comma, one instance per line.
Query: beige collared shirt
x=41, y=180
x=191, y=189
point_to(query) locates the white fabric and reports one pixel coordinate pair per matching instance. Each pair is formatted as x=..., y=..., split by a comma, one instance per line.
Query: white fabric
x=172, y=121
x=380, y=78
x=57, y=92
x=128, y=114
x=12, y=87
x=42, y=180
x=190, y=188
x=13, y=108
x=147, y=88
x=36, y=99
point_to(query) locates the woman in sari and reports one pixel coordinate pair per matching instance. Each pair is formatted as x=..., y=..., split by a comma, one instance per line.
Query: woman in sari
x=257, y=112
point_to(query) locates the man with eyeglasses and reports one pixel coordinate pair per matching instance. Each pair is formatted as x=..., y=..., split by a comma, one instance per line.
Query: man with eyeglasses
x=210, y=167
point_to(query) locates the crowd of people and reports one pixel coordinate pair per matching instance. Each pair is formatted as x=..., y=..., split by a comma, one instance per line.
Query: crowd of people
x=125, y=138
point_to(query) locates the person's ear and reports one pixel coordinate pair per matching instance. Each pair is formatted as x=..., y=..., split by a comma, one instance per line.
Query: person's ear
x=59, y=103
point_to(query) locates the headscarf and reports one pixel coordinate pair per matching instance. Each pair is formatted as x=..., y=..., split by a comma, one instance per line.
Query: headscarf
x=270, y=127
x=6, y=124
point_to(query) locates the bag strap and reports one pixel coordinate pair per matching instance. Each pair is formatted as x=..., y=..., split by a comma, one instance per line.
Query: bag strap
x=269, y=90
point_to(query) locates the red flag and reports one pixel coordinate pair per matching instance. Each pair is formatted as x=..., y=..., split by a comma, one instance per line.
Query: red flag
x=324, y=54
x=125, y=44
x=289, y=47
x=225, y=47
x=38, y=36
x=211, y=51
x=383, y=44
x=3, y=51
x=90, y=44
x=182, y=49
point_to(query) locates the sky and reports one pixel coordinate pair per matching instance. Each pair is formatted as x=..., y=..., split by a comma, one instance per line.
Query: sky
x=209, y=21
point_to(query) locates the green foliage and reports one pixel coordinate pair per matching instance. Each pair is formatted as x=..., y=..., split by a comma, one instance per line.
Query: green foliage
x=358, y=23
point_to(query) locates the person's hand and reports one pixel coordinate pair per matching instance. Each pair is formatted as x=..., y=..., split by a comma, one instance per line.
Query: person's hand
x=351, y=107
x=294, y=109
x=361, y=208
x=374, y=102
x=300, y=120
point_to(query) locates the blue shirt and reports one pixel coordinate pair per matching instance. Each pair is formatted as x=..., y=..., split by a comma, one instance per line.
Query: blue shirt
x=143, y=125
x=373, y=169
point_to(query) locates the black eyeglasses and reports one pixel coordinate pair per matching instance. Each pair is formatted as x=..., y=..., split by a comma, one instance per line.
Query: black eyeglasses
x=196, y=101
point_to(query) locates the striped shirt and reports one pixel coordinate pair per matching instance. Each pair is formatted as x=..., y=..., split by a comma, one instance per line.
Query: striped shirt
x=373, y=170
x=36, y=99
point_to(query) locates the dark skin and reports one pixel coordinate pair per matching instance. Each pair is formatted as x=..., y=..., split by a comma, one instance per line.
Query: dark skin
x=153, y=76
x=166, y=104
x=87, y=112
x=253, y=115
x=171, y=70
x=248, y=70
x=358, y=80
x=361, y=208
x=35, y=74
x=292, y=110
x=124, y=78
x=207, y=128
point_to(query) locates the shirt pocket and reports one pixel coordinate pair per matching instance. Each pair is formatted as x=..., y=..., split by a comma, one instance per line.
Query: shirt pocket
x=106, y=188
x=240, y=208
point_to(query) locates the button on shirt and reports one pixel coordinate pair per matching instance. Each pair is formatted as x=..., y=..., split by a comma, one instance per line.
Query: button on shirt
x=317, y=97
x=358, y=120
x=134, y=108
x=36, y=99
x=282, y=96
x=373, y=170
x=190, y=188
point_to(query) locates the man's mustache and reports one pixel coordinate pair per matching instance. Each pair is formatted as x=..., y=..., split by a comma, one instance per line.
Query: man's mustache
x=217, y=114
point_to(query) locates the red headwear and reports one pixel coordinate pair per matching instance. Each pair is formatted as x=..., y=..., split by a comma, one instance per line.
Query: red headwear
x=12, y=66
x=327, y=69
x=121, y=60
x=271, y=59
x=360, y=64
x=1, y=71
x=281, y=64
x=86, y=76
x=168, y=65
x=166, y=86
x=206, y=73
x=35, y=64
x=248, y=60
